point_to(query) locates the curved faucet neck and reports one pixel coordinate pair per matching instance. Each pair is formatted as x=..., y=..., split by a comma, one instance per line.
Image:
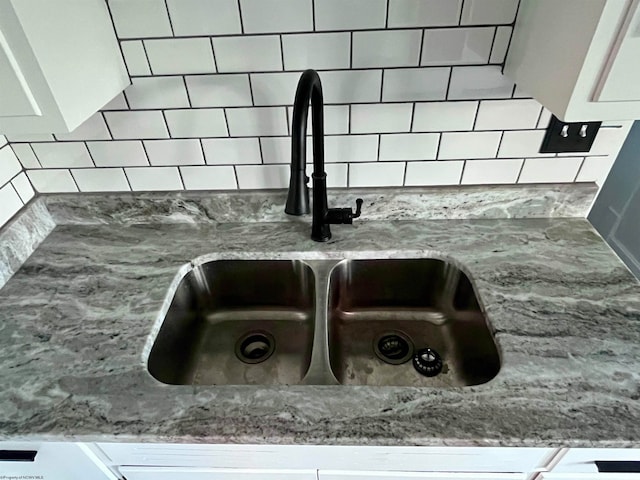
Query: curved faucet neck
x=309, y=90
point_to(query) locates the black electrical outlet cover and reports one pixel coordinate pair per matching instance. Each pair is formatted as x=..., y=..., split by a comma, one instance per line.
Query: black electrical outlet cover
x=554, y=142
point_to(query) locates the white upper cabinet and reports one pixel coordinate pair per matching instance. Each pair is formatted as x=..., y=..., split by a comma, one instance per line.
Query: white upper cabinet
x=59, y=64
x=579, y=58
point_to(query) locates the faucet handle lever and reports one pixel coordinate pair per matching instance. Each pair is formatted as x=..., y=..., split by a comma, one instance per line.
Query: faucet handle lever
x=359, y=203
x=344, y=215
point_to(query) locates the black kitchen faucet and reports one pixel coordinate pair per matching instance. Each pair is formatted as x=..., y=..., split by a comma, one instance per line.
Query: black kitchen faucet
x=310, y=89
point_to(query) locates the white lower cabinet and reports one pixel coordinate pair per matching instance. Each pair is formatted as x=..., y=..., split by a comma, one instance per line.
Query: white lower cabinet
x=332, y=458
x=182, y=473
x=51, y=461
x=349, y=475
x=592, y=463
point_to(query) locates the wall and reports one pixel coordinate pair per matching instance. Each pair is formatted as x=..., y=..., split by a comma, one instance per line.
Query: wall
x=15, y=189
x=615, y=213
x=413, y=92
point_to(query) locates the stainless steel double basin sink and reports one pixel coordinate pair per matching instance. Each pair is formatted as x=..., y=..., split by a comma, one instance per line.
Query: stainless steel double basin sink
x=324, y=322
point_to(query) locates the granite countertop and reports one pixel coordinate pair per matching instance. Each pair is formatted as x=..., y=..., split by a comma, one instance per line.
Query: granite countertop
x=75, y=319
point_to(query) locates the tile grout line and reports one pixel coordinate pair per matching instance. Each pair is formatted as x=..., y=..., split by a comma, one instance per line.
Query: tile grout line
x=464, y=165
x=144, y=48
x=213, y=53
x=240, y=15
x=173, y=33
x=86, y=146
x=186, y=89
x=520, y=172
x=575, y=179
x=75, y=182
x=310, y=32
x=493, y=44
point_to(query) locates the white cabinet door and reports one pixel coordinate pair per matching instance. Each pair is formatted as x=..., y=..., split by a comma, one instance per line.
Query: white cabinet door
x=181, y=473
x=53, y=461
x=346, y=475
x=583, y=460
x=59, y=64
x=620, y=81
x=17, y=97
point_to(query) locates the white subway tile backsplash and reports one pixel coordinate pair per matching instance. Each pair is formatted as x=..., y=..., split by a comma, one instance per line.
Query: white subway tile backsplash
x=423, y=13
x=415, y=84
x=465, y=145
x=413, y=93
x=550, y=170
x=457, y=46
x=23, y=187
x=278, y=149
x=381, y=118
x=350, y=14
x=608, y=140
x=209, y=178
x=52, y=181
x=3, y=141
x=376, y=174
x=491, y=172
x=275, y=16
x=337, y=175
x=545, y=118
x=351, y=148
x=508, y=114
x=231, y=151
x=157, y=92
x=133, y=125
x=351, y=86
x=336, y=119
x=522, y=144
x=118, y=154
x=390, y=48
x=316, y=50
x=62, y=155
x=596, y=169
x=263, y=176
x=501, y=44
x=117, y=103
x=93, y=128
x=409, y=146
x=255, y=122
x=219, y=90
x=135, y=57
x=204, y=17
x=473, y=83
x=154, y=178
x=180, y=55
x=191, y=123
x=9, y=165
x=10, y=202
x=433, y=173
x=489, y=12
x=100, y=179
x=248, y=54
x=32, y=138
x=174, y=152
x=25, y=155
x=274, y=88
x=444, y=116
x=140, y=18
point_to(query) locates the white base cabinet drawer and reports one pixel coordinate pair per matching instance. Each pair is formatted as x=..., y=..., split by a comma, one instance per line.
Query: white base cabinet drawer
x=52, y=461
x=345, y=475
x=583, y=460
x=378, y=459
x=180, y=473
x=589, y=476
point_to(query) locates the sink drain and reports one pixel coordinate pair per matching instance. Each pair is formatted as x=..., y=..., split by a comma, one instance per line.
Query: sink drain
x=394, y=348
x=255, y=347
